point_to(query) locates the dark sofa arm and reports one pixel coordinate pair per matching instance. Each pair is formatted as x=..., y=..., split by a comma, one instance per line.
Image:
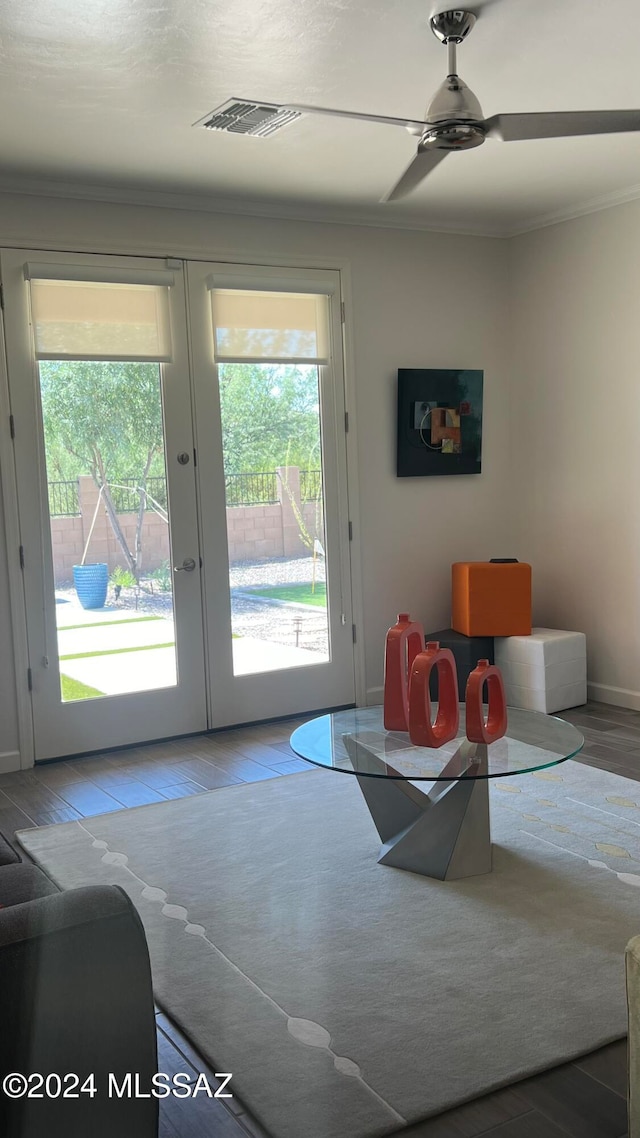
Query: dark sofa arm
x=76, y=998
x=8, y=855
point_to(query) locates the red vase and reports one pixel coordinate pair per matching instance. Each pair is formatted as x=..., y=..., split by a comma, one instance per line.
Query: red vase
x=422, y=731
x=404, y=641
x=479, y=731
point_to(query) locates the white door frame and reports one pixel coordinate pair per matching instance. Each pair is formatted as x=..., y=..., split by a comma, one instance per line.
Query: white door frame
x=19, y=642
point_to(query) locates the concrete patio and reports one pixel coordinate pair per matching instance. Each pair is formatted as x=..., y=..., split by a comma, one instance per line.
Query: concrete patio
x=118, y=651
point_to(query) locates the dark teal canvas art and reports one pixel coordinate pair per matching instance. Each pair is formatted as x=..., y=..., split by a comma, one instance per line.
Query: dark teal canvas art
x=439, y=422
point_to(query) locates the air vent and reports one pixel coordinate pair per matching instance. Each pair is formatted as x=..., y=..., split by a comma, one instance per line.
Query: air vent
x=243, y=116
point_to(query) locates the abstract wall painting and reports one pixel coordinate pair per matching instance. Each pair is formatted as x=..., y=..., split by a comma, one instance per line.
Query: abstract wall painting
x=439, y=422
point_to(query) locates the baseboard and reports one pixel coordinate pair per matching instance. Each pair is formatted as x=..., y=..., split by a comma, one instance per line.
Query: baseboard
x=619, y=697
x=9, y=761
x=602, y=693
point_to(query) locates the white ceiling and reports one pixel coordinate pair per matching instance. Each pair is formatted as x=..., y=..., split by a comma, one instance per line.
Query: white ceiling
x=103, y=94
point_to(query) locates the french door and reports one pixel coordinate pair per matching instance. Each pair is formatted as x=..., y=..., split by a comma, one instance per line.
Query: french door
x=278, y=606
x=97, y=358
x=181, y=473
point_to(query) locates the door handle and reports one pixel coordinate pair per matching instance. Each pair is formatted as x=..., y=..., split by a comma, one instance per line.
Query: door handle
x=188, y=565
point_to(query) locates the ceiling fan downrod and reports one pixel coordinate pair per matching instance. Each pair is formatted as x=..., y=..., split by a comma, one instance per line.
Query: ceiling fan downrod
x=451, y=28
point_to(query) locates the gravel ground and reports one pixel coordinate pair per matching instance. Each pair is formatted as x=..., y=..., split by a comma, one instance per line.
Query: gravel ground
x=156, y=603
x=278, y=571
x=303, y=626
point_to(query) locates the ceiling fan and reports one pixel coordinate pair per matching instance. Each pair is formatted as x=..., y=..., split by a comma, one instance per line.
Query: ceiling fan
x=454, y=118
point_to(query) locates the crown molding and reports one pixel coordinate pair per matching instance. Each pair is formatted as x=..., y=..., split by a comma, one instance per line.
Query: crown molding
x=581, y=209
x=205, y=203
x=295, y=211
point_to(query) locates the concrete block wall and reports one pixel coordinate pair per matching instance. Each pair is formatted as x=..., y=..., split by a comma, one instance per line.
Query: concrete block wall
x=254, y=532
x=67, y=543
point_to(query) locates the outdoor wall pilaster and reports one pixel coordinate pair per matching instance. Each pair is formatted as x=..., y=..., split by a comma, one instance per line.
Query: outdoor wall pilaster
x=288, y=483
x=88, y=495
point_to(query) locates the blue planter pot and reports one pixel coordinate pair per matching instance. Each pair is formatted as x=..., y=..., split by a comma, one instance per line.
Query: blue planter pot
x=91, y=582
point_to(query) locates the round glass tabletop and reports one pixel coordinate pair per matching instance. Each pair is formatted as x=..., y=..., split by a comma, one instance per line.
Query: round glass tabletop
x=356, y=742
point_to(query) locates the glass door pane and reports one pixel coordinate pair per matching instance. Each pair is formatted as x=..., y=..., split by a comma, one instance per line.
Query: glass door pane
x=109, y=523
x=275, y=515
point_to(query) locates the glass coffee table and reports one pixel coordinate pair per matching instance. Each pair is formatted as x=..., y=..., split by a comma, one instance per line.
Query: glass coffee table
x=442, y=831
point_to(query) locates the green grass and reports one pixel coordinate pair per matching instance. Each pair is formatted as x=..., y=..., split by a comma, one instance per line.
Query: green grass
x=107, y=623
x=116, y=651
x=73, y=689
x=298, y=594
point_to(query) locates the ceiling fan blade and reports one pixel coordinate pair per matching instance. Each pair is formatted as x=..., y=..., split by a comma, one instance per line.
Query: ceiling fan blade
x=409, y=124
x=560, y=124
x=423, y=163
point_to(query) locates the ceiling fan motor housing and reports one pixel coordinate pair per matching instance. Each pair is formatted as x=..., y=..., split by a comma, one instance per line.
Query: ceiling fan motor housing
x=454, y=102
x=454, y=117
x=453, y=136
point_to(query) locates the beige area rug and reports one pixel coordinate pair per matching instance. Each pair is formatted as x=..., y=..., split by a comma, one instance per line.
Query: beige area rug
x=349, y=999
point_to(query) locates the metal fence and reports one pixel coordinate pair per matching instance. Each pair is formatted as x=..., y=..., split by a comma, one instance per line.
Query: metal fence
x=126, y=497
x=257, y=489
x=310, y=485
x=63, y=499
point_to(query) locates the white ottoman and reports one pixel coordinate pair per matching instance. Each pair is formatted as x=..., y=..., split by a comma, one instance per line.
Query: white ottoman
x=546, y=671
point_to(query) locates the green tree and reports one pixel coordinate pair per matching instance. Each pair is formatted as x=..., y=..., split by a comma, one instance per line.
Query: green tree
x=104, y=419
x=269, y=415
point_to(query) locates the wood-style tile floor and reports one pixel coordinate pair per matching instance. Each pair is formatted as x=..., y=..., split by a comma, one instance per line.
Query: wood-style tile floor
x=585, y=1099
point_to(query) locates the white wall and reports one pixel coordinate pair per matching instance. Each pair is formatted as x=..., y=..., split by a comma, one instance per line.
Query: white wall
x=576, y=435
x=419, y=300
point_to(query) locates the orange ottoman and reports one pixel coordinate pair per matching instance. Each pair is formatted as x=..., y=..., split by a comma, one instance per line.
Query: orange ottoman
x=490, y=598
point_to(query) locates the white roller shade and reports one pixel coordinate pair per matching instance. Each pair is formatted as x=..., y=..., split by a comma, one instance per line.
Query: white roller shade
x=269, y=327
x=100, y=320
